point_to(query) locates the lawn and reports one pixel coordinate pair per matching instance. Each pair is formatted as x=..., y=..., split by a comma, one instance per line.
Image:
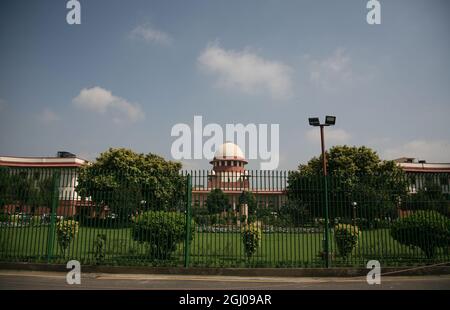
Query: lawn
x=207, y=249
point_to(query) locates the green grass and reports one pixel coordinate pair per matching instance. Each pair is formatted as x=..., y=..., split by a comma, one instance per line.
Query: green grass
x=207, y=249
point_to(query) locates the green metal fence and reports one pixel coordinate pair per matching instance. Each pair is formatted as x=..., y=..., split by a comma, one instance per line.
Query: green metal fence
x=204, y=219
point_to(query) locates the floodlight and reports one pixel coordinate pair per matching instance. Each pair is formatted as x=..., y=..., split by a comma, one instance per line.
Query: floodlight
x=314, y=121
x=330, y=120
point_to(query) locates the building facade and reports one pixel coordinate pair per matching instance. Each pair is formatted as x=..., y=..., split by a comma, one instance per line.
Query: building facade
x=61, y=168
x=420, y=172
x=230, y=175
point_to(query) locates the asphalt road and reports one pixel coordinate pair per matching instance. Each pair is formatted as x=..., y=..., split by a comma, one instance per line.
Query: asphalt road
x=17, y=280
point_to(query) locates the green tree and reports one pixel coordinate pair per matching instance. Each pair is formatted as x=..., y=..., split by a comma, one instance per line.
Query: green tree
x=44, y=188
x=429, y=197
x=25, y=187
x=217, y=201
x=126, y=181
x=248, y=198
x=357, y=174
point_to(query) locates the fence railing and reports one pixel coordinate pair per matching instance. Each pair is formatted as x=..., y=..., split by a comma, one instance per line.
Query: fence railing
x=239, y=219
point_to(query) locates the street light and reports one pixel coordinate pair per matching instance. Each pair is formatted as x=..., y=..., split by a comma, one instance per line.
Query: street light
x=314, y=121
x=329, y=121
x=355, y=205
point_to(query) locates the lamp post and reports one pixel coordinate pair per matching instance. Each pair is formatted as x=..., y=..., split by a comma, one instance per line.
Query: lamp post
x=329, y=121
x=355, y=205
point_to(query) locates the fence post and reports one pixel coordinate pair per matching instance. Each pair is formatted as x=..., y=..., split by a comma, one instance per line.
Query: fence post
x=55, y=200
x=187, y=241
x=327, y=224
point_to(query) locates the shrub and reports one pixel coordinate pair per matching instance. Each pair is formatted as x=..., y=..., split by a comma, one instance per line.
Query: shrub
x=162, y=231
x=346, y=237
x=221, y=221
x=66, y=230
x=427, y=230
x=100, y=248
x=107, y=222
x=252, y=218
x=217, y=201
x=251, y=237
x=15, y=218
x=4, y=217
x=35, y=220
x=242, y=218
x=202, y=220
x=201, y=215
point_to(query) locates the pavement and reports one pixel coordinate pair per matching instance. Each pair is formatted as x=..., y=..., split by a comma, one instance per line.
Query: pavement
x=39, y=280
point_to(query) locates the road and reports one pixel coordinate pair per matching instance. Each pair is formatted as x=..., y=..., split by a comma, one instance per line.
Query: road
x=17, y=280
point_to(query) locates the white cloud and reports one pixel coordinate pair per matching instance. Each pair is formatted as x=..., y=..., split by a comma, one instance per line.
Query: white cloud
x=48, y=116
x=429, y=150
x=333, y=136
x=151, y=35
x=333, y=72
x=102, y=101
x=247, y=71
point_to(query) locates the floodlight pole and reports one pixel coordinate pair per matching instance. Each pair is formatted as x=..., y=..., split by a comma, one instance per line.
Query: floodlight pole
x=327, y=229
x=329, y=121
x=324, y=158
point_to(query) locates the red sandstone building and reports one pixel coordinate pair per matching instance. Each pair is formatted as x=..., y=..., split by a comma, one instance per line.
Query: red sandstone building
x=419, y=171
x=229, y=174
x=65, y=162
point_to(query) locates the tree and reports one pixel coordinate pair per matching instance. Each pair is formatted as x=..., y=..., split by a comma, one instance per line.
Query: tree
x=429, y=197
x=357, y=174
x=25, y=187
x=126, y=181
x=248, y=198
x=217, y=201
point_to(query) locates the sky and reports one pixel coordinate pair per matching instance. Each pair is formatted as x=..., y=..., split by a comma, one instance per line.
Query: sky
x=134, y=69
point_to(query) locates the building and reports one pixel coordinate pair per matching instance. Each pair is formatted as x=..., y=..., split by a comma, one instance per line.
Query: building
x=61, y=160
x=65, y=163
x=420, y=172
x=230, y=175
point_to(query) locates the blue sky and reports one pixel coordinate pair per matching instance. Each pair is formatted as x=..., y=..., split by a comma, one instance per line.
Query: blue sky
x=133, y=69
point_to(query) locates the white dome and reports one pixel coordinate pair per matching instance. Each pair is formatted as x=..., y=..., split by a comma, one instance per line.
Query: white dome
x=229, y=150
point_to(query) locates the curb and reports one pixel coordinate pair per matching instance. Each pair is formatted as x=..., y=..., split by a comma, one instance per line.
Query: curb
x=247, y=272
